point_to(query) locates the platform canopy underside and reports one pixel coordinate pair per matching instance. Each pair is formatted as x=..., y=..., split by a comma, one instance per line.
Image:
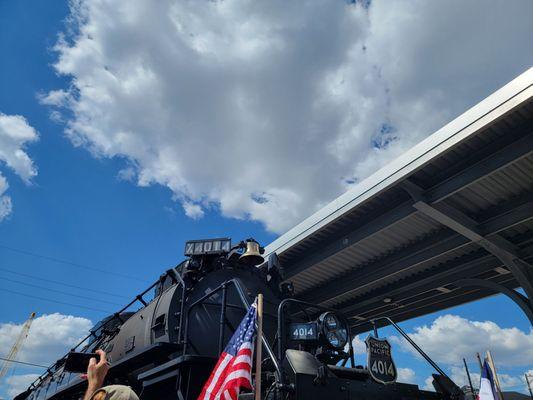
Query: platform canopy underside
x=451, y=208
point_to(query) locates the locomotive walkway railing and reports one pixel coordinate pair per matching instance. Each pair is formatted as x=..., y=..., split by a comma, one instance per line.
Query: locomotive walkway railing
x=118, y=315
x=411, y=342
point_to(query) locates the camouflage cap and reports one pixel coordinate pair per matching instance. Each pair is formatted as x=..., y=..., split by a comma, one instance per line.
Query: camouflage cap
x=117, y=392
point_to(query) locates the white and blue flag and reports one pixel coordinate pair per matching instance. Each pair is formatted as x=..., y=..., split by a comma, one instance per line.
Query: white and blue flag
x=487, y=387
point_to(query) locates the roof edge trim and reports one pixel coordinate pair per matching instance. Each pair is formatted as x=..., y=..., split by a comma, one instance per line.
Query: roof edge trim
x=484, y=113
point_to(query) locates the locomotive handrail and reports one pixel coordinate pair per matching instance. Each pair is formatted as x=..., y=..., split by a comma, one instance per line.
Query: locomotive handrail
x=117, y=315
x=411, y=342
x=238, y=286
x=270, y=352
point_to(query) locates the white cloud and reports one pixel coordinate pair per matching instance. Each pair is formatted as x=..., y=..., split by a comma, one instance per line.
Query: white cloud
x=406, y=375
x=18, y=383
x=450, y=338
x=192, y=210
x=458, y=375
x=15, y=134
x=126, y=174
x=5, y=201
x=50, y=337
x=507, y=381
x=359, y=346
x=268, y=110
x=428, y=384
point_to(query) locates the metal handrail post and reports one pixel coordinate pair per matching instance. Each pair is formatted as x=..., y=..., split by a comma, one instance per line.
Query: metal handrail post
x=245, y=301
x=266, y=345
x=222, y=319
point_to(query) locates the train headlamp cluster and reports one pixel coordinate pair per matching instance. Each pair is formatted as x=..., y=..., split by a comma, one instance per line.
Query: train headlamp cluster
x=328, y=330
x=334, y=330
x=205, y=247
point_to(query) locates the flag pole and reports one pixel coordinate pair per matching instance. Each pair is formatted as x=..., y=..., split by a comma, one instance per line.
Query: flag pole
x=495, y=373
x=480, y=363
x=468, y=375
x=528, y=385
x=259, y=348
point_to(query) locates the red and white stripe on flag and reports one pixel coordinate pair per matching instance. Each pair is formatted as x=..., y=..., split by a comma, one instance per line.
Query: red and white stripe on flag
x=234, y=367
x=229, y=375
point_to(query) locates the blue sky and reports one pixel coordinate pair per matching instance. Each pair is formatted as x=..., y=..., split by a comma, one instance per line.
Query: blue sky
x=77, y=209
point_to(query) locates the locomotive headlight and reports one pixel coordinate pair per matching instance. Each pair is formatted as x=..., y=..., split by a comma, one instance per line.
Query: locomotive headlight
x=331, y=321
x=334, y=330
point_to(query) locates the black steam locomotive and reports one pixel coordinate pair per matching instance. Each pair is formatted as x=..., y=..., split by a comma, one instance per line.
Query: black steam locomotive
x=167, y=349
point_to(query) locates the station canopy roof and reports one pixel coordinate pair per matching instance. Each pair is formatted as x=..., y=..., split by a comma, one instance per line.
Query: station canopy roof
x=400, y=243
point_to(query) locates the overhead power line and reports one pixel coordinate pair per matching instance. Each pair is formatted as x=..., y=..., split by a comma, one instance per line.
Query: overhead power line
x=24, y=363
x=55, y=301
x=82, y=266
x=63, y=283
x=59, y=291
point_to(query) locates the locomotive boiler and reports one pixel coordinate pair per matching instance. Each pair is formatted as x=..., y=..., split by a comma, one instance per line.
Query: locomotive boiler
x=167, y=348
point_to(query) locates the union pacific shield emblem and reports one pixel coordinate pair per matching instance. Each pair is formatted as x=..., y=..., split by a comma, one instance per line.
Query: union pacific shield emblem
x=380, y=364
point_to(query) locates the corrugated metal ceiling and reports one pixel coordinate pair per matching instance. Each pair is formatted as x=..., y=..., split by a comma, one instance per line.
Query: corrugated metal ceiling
x=474, y=178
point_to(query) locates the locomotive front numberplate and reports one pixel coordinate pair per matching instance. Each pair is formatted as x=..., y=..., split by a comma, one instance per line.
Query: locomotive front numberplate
x=303, y=331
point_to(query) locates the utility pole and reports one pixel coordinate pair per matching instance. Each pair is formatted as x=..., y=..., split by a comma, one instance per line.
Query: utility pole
x=17, y=346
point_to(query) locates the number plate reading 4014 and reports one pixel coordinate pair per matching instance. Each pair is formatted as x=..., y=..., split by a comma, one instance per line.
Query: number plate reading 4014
x=303, y=331
x=380, y=364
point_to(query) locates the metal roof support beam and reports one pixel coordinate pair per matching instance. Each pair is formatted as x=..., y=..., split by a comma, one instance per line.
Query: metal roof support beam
x=519, y=299
x=452, y=218
x=490, y=164
x=437, y=303
x=421, y=252
x=424, y=251
x=495, y=162
x=429, y=280
x=384, y=221
x=411, y=285
x=403, y=297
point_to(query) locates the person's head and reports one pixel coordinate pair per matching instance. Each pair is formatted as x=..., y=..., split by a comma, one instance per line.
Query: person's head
x=114, y=392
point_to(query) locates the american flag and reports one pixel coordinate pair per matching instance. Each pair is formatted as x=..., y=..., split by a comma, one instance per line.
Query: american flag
x=234, y=367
